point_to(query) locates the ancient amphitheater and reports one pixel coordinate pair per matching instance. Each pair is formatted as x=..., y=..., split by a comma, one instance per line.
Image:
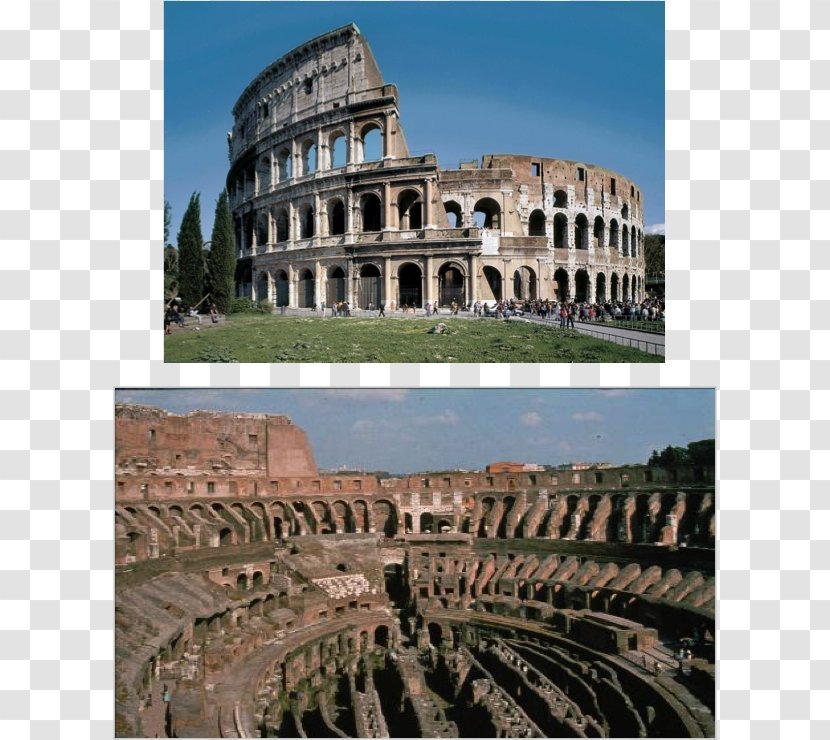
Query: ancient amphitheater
x=272, y=600
x=330, y=206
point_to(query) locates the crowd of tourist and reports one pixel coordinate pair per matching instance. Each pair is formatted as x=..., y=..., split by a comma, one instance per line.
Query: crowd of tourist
x=566, y=312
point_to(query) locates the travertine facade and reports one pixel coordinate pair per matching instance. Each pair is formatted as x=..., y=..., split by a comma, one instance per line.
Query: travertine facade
x=330, y=205
x=277, y=601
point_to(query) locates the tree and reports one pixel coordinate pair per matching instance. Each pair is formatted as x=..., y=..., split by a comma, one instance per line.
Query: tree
x=222, y=259
x=191, y=266
x=654, y=253
x=171, y=259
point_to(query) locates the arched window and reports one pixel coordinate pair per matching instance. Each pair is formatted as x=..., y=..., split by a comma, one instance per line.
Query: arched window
x=337, y=150
x=282, y=225
x=625, y=240
x=284, y=165
x=306, y=222
x=309, y=157
x=454, y=217
x=536, y=223
x=337, y=217
x=370, y=145
x=409, y=210
x=487, y=214
x=614, y=235
x=624, y=211
x=581, y=232
x=370, y=212
x=560, y=231
x=560, y=199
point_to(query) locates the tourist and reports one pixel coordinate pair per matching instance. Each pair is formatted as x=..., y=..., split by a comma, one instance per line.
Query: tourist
x=381, y=312
x=214, y=314
x=427, y=308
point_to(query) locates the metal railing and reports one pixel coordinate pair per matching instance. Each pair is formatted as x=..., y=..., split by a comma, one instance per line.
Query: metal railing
x=652, y=348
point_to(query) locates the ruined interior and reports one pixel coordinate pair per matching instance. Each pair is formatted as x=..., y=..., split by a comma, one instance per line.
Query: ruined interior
x=273, y=600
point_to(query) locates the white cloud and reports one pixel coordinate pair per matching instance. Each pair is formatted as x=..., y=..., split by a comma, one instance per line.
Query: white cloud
x=656, y=229
x=447, y=418
x=530, y=419
x=586, y=416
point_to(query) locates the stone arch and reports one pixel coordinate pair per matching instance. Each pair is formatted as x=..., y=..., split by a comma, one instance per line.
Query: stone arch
x=624, y=212
x=336, y=285
x=435, y=633
x=282, y=225
x=560, y=231
x=305, y=288
x=487, y=214
x=524, y=283
x=309, y=157
x=410, y=209
x=625, y=293
x=281, y=287
x=336, y=213
x=487, y=504
x=492, y=284
x=226, y=537
x=634, y=284
x=625, y=240
x=137, y=545
x=338, y=151
x=454, y=214
x=370, y=286
x=264, y=174
x=536, y=223
x=452, y=281
x=563, y=289
x=410, y=285
x=370, y=143
x=426, y=523
x=599, y=233
x=614, y=234
x=242, y=582
x=175, y=511
x=382, y=635
x=284, y=164
x=615, y=286
x=581, y=232
x=634, y=236
x=571, y=504
x=560, y=199
x=306, y=216
x=385, y=517
x=263, y=284
x=582, y=286
x=257, y=580
x=602, y=288
x=360, y=511
x=370, y=212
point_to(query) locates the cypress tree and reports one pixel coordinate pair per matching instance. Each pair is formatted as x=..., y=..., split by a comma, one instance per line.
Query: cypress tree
x=222, y=258
x=191, y=265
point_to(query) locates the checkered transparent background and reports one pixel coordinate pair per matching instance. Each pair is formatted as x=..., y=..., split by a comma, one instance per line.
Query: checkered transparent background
x=81, y=193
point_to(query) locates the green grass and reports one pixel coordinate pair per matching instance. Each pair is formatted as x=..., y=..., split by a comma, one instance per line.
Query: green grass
x=288, y=339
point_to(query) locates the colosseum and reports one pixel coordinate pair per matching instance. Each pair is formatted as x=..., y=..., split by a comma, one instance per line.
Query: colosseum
x=259, y=597
x=330, y=206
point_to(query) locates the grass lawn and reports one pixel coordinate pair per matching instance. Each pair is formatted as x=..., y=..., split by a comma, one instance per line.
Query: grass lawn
x=245, y=338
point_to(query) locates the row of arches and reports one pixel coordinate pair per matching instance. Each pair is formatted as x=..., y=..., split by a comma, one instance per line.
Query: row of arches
x=585, y=235
x=309, y=155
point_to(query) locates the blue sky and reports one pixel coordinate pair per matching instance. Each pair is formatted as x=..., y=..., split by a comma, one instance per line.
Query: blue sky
x=575, y=80
x=412, y=430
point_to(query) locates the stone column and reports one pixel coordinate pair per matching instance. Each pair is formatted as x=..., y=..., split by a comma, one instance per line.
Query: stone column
x=317, y=283
x=428, y=204
x=316, y=218
x=472, y=291
x=292, y=215
x=295, y=158
x=292, y=287
x=349, y=215
x=350, y=284
x=350, y=144
x=387, y=206
x=255, y=225
x=322, y=159
x=428, y=292
x=506, y=283
x=387, y=281
x=387, y=135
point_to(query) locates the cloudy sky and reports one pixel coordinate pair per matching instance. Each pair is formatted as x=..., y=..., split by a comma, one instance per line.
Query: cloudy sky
x=575, y=80
x=411, y=430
